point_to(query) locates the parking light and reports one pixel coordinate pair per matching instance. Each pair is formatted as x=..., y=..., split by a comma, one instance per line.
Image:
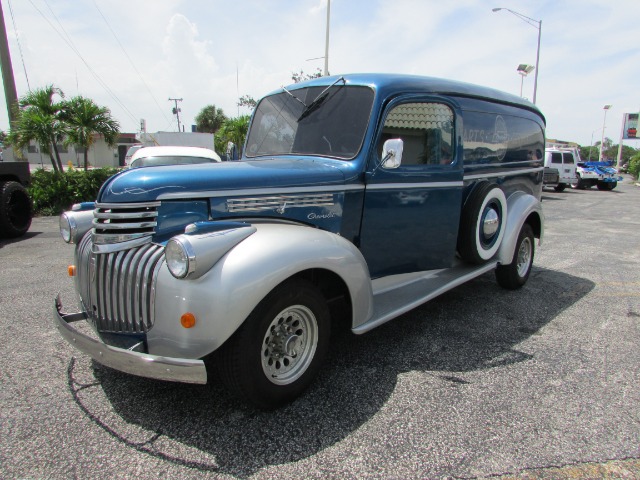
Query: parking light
x=188, y=320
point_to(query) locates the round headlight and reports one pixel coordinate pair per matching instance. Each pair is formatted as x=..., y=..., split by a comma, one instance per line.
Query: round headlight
x=66, y=227
x=180, y=258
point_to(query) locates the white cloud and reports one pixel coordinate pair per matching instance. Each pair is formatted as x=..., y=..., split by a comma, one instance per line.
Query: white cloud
x=213, y=51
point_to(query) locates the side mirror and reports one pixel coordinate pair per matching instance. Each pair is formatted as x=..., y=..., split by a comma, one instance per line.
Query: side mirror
x=392, y=153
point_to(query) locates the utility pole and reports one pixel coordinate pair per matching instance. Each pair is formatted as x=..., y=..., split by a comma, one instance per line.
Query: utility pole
x=176, y=111
x=10, y=93
x=326, y=43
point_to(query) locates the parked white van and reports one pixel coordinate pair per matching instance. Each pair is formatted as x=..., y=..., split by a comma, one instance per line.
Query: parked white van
x=565, y=161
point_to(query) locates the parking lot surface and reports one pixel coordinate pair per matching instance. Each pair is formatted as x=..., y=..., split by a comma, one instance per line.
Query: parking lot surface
x=481, y=382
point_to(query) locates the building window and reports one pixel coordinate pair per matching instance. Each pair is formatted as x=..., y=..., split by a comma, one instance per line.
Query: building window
x=62, y=148
x=32, y=149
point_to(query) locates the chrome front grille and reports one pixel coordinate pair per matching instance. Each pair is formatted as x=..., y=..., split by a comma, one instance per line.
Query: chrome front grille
x=123, y=222
x=117, y=289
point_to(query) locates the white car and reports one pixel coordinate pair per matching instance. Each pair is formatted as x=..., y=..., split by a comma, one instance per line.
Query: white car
x=172, y=155
x=132, y=149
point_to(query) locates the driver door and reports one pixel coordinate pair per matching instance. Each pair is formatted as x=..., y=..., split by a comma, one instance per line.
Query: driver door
x=411, y=213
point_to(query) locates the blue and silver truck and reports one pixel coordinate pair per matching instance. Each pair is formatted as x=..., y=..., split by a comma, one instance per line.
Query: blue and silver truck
x=357, y=198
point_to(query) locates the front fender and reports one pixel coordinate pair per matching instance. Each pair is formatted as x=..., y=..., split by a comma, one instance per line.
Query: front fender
x=520, y=207
x=224, y=297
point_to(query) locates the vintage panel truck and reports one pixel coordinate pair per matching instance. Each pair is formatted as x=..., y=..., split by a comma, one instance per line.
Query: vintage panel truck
x=371, y=192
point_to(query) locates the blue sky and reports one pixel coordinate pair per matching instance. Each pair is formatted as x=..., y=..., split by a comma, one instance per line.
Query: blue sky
x=140, y=53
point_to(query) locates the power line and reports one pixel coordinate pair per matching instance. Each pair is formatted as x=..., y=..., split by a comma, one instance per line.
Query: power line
x=15, y=29
x=131, y=62
x=69, y=42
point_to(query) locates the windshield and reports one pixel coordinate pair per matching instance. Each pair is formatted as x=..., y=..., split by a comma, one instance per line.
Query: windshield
x=310, y=122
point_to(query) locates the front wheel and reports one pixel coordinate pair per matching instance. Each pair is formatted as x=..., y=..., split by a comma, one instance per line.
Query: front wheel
x=516, y=274
x=277, y=352
x=580, y=185
x=15, y=210
x=607, y=185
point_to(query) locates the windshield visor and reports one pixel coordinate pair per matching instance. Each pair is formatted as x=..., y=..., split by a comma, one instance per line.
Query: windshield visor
x=168, y=160
x=331, y=124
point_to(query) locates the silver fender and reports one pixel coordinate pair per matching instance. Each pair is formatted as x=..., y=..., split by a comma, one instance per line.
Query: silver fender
x=223, y=298
x=520, y=206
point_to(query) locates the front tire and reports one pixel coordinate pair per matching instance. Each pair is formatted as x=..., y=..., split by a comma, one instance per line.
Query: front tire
x=516, y=274
x=607, y=186
x=276, y=354
x=580, y=185
x=15, y=210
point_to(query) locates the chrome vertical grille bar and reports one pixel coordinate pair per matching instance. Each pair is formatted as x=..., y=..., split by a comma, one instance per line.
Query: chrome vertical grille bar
x=118, y=290
x=122, y=324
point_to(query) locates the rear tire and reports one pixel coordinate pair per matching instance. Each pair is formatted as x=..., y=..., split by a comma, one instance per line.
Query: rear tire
x=276, y=354
x=560, y=187
x=516, y=274
x=15, y=210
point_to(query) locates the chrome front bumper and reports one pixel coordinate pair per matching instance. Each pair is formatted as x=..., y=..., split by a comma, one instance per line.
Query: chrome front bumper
x=135, y=363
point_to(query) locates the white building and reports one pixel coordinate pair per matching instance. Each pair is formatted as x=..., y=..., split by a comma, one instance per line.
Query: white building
x=101, y=155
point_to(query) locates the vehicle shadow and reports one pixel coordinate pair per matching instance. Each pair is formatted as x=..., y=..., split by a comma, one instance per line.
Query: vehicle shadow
x=476, y=326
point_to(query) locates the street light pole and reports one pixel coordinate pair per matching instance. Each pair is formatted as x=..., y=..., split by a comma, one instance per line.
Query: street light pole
x=524, y=70
x=326, y=43
x=536, y=24
x=604, y=123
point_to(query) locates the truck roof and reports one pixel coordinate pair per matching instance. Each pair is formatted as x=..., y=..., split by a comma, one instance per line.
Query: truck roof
x=389, y=84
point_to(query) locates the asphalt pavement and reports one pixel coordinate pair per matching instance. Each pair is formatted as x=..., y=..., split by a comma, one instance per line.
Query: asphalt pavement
x=481, y=382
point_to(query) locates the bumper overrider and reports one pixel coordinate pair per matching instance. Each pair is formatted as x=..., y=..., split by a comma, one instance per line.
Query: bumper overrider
x=128, y=361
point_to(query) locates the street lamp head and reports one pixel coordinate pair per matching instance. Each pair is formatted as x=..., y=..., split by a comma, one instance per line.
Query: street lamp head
x=607, y=107
x=496, y=9
x=524, y=69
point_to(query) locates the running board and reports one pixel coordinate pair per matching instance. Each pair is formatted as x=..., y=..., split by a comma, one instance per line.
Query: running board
x=397, y=294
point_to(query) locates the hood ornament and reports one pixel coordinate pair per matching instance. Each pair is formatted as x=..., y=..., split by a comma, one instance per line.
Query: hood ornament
x=282, y=208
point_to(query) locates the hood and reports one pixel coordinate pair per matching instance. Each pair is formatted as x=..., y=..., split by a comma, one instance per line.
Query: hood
x=148, y=184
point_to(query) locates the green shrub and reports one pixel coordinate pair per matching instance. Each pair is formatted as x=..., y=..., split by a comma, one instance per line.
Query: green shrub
x=53, y=193
x=634, y=166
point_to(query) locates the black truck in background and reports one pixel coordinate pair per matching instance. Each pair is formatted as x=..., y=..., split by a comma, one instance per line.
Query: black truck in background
x=15, y=205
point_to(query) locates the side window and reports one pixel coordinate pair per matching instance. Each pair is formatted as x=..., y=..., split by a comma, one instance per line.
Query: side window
x=426, y=130
x=556, y=157
x=568, y=157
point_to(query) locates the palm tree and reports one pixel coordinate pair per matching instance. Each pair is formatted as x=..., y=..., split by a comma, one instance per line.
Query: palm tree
x=83, y=120
x=233, y=130
x=210, y=119
x=38, y=119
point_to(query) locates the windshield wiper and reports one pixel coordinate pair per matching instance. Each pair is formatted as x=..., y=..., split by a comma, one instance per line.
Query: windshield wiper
x=285, y=89
x=319, y=100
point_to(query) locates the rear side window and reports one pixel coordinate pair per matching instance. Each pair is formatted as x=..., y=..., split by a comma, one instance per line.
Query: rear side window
x=556, y=157
x=503, y=137
x=568, y=158
x=426, y=130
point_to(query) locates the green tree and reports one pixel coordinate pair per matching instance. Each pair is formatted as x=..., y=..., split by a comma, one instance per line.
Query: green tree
x=38, y=120
x=634, y=165
x=83, y=120
x=232, y=130
x=210, y=119
x=247, y=101
x=301, y=77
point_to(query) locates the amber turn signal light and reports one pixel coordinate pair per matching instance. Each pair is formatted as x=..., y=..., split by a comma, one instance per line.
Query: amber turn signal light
x=71, y=270
x=188, y=320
